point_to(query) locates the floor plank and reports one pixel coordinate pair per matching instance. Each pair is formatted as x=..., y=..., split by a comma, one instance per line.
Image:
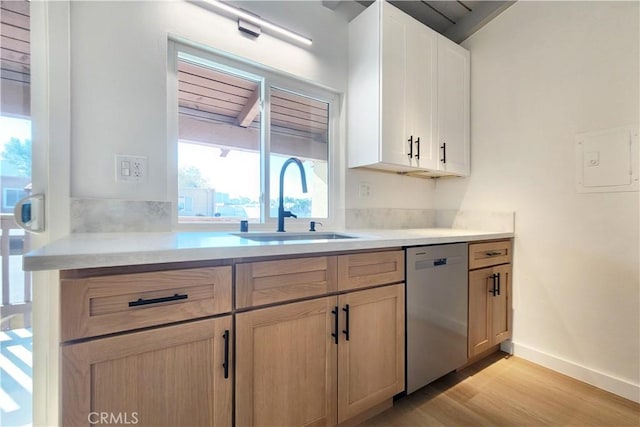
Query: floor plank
x=503, y=390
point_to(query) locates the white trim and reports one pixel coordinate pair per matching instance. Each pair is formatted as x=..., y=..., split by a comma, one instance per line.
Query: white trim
x=607, y=382
x=51, y=173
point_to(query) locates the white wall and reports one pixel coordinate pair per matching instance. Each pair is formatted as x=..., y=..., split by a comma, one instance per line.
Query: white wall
x=119, y=77
x=389, y=190
x=119, y=87
x=542, y=72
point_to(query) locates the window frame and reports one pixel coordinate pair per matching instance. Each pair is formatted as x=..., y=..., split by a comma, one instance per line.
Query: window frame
x=268, y=77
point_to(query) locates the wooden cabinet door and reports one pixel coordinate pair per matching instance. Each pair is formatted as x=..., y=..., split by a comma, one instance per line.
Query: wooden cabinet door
x=479, y=307
x=501, y=306
x=489, y=315
x=453, y=107
x=168, y=376
x=286, y=365
x=371, y=359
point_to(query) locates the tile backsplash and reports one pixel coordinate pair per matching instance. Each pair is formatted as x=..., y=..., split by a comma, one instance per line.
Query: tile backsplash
x=397, y=218
x=390, y=218
x=114, y=215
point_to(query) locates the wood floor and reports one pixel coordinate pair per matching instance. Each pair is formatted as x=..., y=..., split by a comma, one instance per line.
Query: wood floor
x=508, y=391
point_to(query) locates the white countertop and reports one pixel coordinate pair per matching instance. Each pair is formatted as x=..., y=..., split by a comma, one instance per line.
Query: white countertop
x=120, y=249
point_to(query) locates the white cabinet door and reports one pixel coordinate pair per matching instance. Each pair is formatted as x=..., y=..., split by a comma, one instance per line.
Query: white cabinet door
x=421, y=95
x=394, y=135
x=408, y=95
x=453, y=107
x=408, y=90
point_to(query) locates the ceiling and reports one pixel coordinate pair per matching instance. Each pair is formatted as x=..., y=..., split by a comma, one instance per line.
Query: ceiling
x=456, y=20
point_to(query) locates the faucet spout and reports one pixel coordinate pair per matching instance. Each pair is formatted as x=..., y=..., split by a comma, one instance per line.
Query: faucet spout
x=282, y=214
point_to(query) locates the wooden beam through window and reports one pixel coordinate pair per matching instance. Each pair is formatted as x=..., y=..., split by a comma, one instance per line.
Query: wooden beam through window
x=250, y=110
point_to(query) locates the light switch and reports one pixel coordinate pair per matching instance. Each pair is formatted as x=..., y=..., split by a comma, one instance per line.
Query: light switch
x=131, y=168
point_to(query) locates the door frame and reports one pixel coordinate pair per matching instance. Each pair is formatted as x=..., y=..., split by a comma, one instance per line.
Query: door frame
x=51, y=138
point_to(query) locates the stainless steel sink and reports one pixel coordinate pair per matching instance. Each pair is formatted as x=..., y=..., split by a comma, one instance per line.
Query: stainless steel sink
x=285, y=237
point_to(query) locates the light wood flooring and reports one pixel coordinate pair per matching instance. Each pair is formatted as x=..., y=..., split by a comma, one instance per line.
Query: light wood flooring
x=503, y=390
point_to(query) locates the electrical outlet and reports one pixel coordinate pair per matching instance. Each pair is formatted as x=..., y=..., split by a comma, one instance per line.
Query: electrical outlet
x=364, y=191
x=131, y=168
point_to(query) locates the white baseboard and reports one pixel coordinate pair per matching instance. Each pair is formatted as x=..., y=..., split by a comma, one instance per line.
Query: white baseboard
x=618, y=386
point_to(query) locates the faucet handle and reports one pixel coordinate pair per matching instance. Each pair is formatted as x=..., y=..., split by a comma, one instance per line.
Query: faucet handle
x=289, y=214
x=312, y=225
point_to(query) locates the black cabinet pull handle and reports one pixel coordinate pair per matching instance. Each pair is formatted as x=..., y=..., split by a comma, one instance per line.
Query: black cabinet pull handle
x=141, y=301
x=444, y=152
x=225, y=364
x=493, y=253
x=411, y=146
x=498, y=275
x=493, y=282
x=346, y=330
x=417, y=148
x=335, y=324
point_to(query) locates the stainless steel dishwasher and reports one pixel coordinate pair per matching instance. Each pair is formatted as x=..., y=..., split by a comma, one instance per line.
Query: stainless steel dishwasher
x=436, y=312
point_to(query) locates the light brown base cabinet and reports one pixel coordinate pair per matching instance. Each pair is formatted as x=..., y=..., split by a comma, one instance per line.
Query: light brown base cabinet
x=122, y=360
x=320, y=362
x=326, y=360
x=489, y=295
x=169, y=376
x=320, y=342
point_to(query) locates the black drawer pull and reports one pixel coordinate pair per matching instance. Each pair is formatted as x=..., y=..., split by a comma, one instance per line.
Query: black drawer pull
x=493, y=253
x=225, y=364
x=141, y=301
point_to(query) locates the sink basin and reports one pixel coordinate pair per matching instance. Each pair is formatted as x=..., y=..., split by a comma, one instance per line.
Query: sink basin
x=285, y=237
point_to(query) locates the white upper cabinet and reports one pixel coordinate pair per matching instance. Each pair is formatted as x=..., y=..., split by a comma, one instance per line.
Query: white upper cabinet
x=395, y=85
x=453, y=107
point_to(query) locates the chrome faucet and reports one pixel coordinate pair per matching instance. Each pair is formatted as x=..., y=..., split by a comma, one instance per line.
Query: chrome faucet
x=282, y=214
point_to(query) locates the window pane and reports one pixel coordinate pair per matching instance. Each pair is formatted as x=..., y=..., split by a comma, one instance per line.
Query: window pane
x=219, y=145
x=299, y=128
x=16, y=347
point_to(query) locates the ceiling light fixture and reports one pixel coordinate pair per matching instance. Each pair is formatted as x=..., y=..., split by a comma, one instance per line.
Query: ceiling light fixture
x=258, y=21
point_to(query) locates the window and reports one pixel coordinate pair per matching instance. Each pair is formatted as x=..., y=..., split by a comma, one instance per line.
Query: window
x=11, y=196
x=237, y=126
x=16, y=350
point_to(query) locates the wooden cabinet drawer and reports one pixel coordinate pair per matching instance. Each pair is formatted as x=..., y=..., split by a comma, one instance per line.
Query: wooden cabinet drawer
x=106, y=304
x=370, y=269
x=489, y=253
x=267, y=282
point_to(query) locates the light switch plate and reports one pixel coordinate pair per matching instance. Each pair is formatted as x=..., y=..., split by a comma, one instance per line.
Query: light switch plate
x=131, y=168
